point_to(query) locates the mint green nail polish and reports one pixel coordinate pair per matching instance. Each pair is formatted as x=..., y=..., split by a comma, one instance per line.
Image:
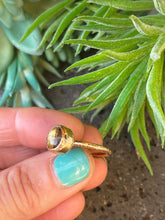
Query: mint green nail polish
x=72, y=167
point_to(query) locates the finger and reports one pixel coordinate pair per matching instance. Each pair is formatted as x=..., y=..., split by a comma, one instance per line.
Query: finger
x=69, y=209
x=30, y=126
x=92, y=134
x=38, y=184
x=99, y=175
x=76, y=203
x=10, y=156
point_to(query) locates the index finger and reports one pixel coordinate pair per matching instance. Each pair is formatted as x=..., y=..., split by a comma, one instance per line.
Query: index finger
x=30, y=126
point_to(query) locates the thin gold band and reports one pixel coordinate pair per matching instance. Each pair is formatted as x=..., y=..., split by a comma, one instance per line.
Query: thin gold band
x=95, y=149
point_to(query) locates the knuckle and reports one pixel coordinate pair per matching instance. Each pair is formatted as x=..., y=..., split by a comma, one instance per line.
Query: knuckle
x=18, y=191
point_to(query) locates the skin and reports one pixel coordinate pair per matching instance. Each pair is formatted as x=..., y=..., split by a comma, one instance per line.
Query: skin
x=29, y=188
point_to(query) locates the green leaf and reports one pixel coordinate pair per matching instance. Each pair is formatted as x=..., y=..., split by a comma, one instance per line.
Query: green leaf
x=160, y=130
x=107, y=44
x=105, y=82
x=119, y=122
x=137, y=143
x=49, y=67
x=146, y=29
x=100, y=12
x=128, y=56
x=2, y=79
x=153, y=20
x=153, y=91
x=93, y=76
x=66, y=36
x=62, y=55
x=124, y=96
x=163, y=91
x=82, y=108
x=160, y=6
x=14, y=7
x=36, y=8
x=40, y=100
x=158, y=48
x=112, y=22
x=50, y=13
x=117, y=82
x=130, y=104
x=20, y=81
x=77, y=109
x=26, y=97
x=1, y=8
x=50, y=55
x=142, y=126
x=24, y=61
x=97, y=111
x=9, y=82
x=139, y=99
x=30, y=45
x=87, y=90
x=70, y=54
x=30, y=77
x=103, y=129
x=6, y=52
x=126, y=5
x=121, y=128
x=51, y=30
x=89, y=61
x=151, y=114
x=40, y=76
x=68, y=18
x=8, y=101
x=87, y=99
x=90, y=96
x=17, y=102
x=6, y=18
x=109, y=13
x=95, y=28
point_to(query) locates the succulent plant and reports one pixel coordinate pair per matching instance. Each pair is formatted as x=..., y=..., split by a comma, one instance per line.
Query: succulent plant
x=23, y=64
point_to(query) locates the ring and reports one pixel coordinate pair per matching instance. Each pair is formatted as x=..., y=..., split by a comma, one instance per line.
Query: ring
x=61, y=139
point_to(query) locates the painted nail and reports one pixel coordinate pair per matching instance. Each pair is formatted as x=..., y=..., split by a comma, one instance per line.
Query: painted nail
x=72, y=167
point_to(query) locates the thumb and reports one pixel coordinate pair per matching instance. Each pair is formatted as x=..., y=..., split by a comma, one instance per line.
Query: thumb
x=38, y=184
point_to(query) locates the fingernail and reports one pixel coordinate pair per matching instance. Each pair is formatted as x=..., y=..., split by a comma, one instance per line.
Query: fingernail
x=72, y=167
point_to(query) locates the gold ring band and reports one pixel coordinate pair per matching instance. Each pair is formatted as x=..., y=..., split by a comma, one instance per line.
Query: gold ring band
x=61, y=139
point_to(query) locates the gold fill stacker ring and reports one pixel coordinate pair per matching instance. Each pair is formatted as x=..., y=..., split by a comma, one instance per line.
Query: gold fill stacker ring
x=61, y=139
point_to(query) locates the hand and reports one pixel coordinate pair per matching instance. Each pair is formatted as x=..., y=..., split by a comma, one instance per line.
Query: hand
x=32, y=180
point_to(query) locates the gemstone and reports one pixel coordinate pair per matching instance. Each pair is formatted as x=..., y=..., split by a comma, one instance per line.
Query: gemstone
x=54, y=138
